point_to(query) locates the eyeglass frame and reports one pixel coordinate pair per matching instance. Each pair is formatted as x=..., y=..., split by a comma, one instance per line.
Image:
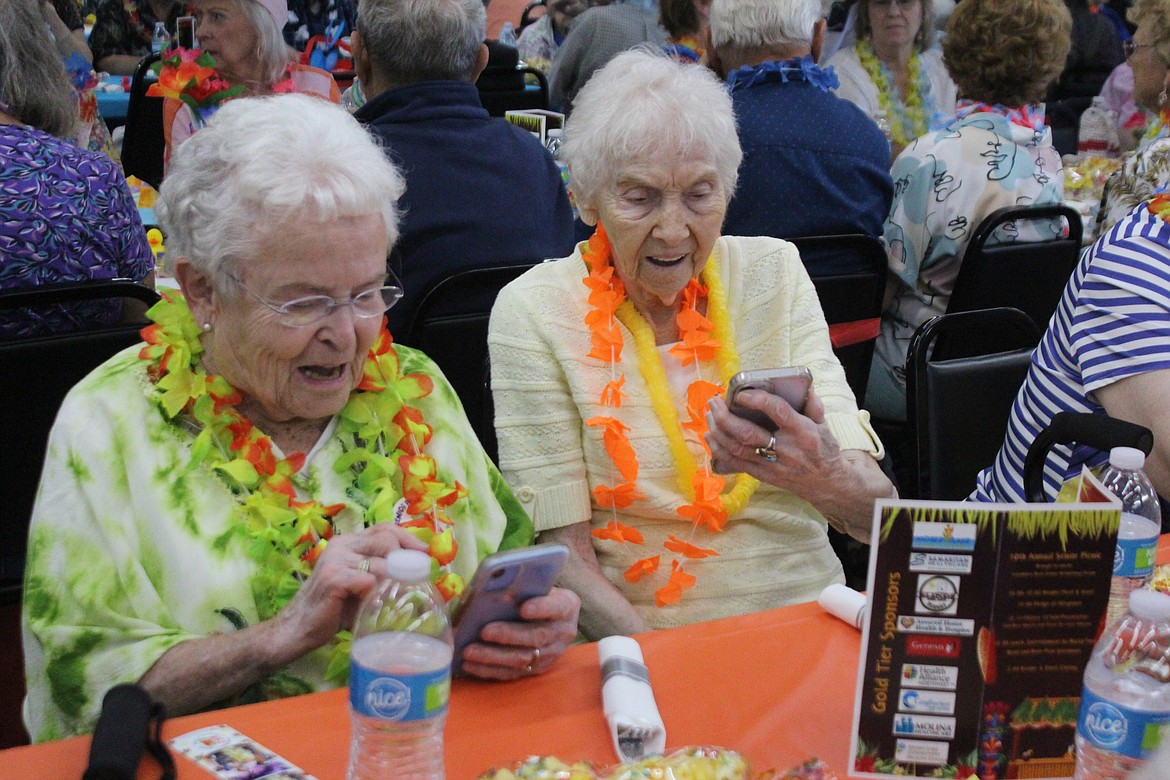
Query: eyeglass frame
x=889, y=3
x=1130, y=47
x=282, y=312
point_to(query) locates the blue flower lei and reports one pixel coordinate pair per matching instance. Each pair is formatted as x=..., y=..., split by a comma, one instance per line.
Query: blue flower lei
x=795, y=69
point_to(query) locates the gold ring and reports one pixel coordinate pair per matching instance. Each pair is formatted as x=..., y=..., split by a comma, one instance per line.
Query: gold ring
x=768, y=453
x=364, y=565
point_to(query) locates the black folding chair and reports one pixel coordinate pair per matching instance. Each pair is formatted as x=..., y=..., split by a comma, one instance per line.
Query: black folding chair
x=852, y=301
x=144, y=145
x=958, y=407
x=450, y=324
x=502, y=85
x=1025, y=275
x=532, y=12
x=35, y=374
x=1097, y=431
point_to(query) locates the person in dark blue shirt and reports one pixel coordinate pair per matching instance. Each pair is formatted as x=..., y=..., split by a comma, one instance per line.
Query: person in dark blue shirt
x=813, y=164
x=479, y=191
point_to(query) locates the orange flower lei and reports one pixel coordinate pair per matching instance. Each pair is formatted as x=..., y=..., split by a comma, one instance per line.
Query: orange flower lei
x=1159, y=206
x=701, y=339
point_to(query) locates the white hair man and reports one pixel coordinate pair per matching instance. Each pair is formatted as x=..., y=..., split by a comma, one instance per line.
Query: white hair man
x=479, y=191
x=813, y=164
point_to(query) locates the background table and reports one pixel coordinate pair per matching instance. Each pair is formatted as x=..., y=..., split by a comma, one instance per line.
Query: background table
x=113, y=105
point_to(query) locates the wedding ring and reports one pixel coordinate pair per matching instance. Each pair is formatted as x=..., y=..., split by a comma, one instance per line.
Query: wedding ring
x=528, y=669
x=364, y=565
x=535, y=656
x=768, y=453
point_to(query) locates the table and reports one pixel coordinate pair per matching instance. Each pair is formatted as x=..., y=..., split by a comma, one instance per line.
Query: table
x=114, y=105
x=779, y=686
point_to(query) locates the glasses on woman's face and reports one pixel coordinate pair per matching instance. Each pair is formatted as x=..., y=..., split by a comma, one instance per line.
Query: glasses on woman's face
x=302, y=312
x=885, y=5
x=1130, y=47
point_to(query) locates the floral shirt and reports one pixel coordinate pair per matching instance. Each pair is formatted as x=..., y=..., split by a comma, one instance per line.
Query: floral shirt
x=66, y=215
x=119, y=31
x=1144, y=174
x=172, y=565
x=539, y=43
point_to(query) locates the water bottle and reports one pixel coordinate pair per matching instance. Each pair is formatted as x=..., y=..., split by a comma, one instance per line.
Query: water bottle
x=1125, y=702
x=353, y=98
x=1141, y=522
x=507, y=35
x=400, y=675
x=161, y=39
x=882, y=121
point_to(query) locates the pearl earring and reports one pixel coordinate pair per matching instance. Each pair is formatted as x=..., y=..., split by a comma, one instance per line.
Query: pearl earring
x=207, y=327
x=1162, y=96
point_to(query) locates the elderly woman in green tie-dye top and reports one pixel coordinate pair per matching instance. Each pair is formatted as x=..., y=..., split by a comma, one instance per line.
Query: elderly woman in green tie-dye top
x=215, y=502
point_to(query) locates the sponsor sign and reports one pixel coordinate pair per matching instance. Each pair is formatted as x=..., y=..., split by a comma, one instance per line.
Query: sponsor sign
x=924, y=726
x=936, y=625
x=938, y=594
x=936, y=646
x=917, y=751
x=939, y=678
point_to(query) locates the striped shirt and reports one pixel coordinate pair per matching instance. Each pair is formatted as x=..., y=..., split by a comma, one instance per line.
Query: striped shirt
x=1113, y=321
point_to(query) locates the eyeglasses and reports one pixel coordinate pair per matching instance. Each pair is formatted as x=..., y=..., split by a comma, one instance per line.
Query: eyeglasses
x=1130, y=47
x=886, y=4
x=302, y=312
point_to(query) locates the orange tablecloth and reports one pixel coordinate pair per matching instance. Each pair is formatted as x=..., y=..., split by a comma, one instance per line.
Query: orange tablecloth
x=777, y=686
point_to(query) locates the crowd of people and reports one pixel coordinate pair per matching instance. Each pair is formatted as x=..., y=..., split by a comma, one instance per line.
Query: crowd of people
x=245, y=468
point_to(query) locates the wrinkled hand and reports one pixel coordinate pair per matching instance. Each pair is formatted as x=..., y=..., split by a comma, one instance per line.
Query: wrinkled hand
x=806, y=450
x=508, y=650
x=329, y=599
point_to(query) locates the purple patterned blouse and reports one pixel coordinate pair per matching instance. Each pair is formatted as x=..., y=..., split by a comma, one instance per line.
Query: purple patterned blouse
x=66, y=214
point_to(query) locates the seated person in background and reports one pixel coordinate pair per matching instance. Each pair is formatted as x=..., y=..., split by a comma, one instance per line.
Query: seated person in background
x=479, y=191
x=892, y=70
x=67, y=27
x=1146, y=171
x=601, y=389
x=66, y=214
x=310, y=18
x=1107, y=351
x=1094, y=53
x=996, y=152
x=598, y=35
x=123, y=29
x=540, y=41
x=685, y=22
x=813, y=163
x=182, y=459
x=244, y=38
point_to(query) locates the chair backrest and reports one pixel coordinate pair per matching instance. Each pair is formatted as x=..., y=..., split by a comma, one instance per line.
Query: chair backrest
x=1025, y=275
x=144, y=144
x=35, y=375
x=505, y=90
x=532, y=12
x=958, y=408
x=1099, y=431
x=450, y=324
x=852, y=301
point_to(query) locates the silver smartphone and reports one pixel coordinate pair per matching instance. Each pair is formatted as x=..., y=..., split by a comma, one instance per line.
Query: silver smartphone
x=503, y=582
x=790, y=383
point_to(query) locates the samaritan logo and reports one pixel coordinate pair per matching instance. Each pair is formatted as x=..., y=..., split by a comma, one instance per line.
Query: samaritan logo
x=1105, y=724
x=388, y=698
x=938, y=594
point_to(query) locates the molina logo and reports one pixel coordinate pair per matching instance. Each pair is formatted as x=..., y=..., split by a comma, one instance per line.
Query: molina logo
x=1105, y=725
x=938, y=594
x=388, y=697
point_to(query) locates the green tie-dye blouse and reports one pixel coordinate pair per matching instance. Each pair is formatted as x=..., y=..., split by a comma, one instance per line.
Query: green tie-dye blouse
x=130, y=552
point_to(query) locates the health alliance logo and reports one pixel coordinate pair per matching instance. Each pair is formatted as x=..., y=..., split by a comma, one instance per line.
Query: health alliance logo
x=388, y=698
x=1106, y=725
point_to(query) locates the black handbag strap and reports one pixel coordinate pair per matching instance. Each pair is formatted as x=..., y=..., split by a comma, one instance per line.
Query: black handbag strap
x=124, y=730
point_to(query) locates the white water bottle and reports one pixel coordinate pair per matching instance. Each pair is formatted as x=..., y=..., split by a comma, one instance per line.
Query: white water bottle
x=161, y=39
x=1141, y=522
x=400, y=675
x=1125, y=702
x=507, y=35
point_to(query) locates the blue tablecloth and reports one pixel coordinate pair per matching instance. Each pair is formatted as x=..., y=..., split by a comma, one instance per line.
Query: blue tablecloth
x=113, y=105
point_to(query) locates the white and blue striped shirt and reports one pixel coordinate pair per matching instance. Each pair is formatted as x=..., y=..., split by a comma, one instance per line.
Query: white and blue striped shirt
x=1113, y=321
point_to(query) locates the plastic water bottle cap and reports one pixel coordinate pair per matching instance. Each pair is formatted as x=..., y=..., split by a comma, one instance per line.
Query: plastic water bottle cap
x=1129, y=458
x=408, y=565
x=1149, y=604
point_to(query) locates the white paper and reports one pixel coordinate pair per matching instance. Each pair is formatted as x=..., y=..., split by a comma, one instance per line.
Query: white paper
x=634, y=722
x=843, y=602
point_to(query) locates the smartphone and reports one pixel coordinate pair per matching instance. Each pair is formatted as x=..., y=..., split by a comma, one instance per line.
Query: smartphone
x=503, y=582
x=185, y=32
x=792, y=384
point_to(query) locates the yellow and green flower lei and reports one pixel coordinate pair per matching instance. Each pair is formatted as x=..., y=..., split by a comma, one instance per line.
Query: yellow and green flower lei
x=381, y=433
x=907, y=117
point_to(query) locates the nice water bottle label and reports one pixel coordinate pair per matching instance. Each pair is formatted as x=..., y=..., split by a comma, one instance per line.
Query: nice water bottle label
x=398, y=697
x=1135, y=557
x=1119, y=729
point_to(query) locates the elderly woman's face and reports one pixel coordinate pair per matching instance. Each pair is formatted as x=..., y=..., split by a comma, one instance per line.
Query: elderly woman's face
x=225, y=33
x=300, y=373
x=662, y=218
x=1149, y=69
x=894, y=23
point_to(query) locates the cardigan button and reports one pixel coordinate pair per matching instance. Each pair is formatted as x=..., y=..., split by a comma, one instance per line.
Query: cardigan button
x=526, y=495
